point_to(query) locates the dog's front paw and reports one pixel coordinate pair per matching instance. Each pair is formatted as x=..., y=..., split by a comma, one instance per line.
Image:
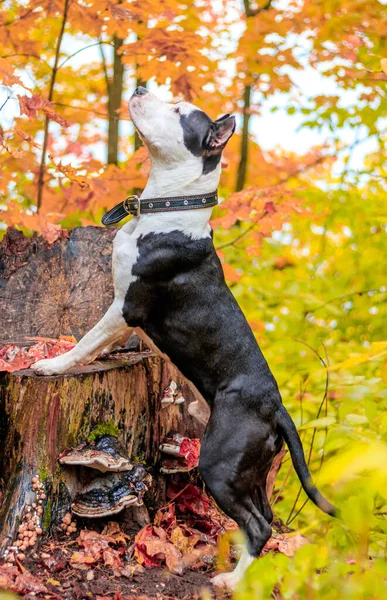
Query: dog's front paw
x=51, y=366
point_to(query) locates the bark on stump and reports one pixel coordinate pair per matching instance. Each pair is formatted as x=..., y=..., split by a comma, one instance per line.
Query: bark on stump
x=64, y=289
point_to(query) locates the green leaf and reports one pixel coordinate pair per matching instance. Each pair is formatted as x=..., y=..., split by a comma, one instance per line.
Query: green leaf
x=318, y=423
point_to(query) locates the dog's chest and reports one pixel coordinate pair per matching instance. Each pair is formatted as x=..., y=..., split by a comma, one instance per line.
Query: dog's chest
x=158, y=229
x=125, y=255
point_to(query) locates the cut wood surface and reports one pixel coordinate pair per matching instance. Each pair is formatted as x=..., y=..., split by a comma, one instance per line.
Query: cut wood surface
x=52, y=290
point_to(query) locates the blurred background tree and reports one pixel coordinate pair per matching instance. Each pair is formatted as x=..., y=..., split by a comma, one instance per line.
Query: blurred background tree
x=301, y=231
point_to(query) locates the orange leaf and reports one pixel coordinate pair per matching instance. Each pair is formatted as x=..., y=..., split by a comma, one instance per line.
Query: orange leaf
x=230, y=273
x=51, y=233
x=29, y=105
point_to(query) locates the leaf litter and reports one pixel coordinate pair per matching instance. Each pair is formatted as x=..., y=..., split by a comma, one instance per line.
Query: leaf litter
x=15, y=357
x=111, y=565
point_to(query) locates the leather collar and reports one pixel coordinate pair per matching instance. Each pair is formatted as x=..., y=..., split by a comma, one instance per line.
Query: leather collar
x=132, y=205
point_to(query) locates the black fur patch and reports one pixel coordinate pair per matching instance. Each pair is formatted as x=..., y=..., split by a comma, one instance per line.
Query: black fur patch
x=181, y=300
x=195, y=127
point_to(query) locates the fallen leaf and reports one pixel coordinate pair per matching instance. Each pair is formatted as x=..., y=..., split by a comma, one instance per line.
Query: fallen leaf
x=15, y=358
x=113, y=531
x=51, y=233
x=184, y=541
x=83, y=558
x=199, y=556
x=111, y=558
x=152, y=549
x=191, y=500
x=165, y=516
x=54, y=564
x=26, y=583
x=287, y=544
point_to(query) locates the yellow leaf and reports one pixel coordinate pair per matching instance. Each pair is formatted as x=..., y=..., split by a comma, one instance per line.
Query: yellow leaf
x=383, y=64
x=318, y=423
x=360, y=458
x=357, y=360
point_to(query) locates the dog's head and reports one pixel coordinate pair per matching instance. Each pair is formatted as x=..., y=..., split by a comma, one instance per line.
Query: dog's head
x=175, y=133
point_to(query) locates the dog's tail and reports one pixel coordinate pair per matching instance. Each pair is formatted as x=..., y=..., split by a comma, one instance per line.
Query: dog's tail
x=291, y=437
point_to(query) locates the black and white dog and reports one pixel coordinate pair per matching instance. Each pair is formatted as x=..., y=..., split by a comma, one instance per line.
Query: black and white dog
x=170, y=289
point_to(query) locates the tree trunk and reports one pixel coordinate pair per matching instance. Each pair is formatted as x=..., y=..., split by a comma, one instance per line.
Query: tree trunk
x=244, y=151
x=115, y=88
x=49, y=290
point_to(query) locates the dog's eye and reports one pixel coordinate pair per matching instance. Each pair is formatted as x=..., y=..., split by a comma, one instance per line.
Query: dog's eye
x=176, y=110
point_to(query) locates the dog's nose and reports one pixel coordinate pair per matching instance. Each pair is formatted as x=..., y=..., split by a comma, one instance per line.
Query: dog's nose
x=140, y=91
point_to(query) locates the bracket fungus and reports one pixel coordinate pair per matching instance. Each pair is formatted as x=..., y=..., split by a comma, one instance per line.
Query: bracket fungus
x=105, y=454
x=110, y=494
x=172, y=394
x=119, y=484
x=182, y=454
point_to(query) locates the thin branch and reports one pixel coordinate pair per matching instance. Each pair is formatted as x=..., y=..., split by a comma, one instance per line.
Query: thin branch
x=273, y=502
x=4, y=103
x=90, y=110
x=343, y=297
x=81, y=50
x=50, y=95
x=239, y=237
x=19, y=18
x=325, y=363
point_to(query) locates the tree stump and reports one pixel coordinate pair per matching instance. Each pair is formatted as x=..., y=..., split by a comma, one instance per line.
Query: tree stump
x=42, y=416
x=63, y=289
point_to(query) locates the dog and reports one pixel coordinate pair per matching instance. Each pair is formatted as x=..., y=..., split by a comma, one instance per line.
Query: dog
x=170, y=289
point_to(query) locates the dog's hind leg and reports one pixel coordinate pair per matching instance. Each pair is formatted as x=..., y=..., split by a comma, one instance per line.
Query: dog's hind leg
x=231, y=491
x=257, y=531
x=263, y=504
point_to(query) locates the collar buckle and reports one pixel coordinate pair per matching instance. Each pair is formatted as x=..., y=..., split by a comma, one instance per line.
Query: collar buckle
x=129, y=209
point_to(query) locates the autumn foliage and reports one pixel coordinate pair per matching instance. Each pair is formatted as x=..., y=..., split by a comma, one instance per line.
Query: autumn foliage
x=53, y=169
x=301, y=231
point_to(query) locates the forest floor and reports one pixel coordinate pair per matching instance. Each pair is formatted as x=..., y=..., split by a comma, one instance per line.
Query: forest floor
x=107, y=566
x=57, y=577
x=172, y=558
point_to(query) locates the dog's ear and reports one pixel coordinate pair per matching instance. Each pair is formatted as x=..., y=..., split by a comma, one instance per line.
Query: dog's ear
x=218, y=134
